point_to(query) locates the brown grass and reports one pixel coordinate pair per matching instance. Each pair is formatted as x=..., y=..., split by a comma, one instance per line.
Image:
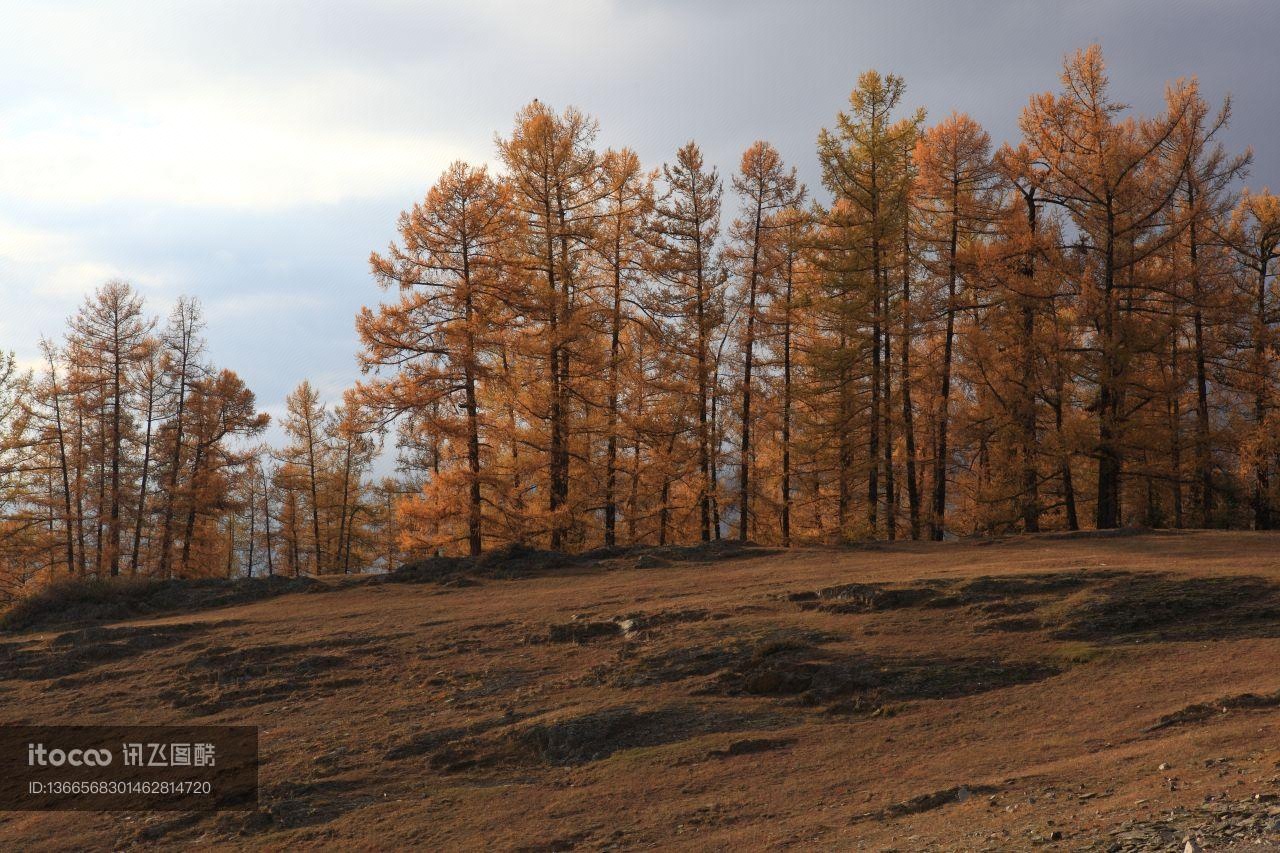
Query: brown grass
x=806, y=699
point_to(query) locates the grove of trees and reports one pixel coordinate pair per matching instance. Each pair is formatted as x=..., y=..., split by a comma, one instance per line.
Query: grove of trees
x=1075, y=329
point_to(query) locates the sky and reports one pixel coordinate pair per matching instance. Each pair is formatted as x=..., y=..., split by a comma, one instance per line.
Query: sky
x=251, y=153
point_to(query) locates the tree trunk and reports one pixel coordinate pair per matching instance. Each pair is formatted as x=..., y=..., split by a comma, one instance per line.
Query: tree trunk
x=908, y=419
x=937, y=520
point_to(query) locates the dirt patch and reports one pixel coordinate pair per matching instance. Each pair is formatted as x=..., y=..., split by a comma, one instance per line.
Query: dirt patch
x=715, y=655
x=80, y=651
x=518, y=561
x=1218, y=823
x=817, y=677
x=291, y=805
x=1016, y=624
x=635, y=623
x=928, y=802
x=751, y=746
x=1105, y=605
x=1159, y=607
x=988, y=588
x=597, y=735
x=864, y=598
x=995, y=593
x=78, y=601
x=1202, y=711
x=433, y=742
x=567, y=741
x=792, y=664
x=582, y=631
x=222, y=678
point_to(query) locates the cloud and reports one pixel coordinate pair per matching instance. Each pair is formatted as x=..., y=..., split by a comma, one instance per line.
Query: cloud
x=251, y=152
x=76, y=279
x=216, y=154
x=22, y=244
x=155, y=108
x=259, y=306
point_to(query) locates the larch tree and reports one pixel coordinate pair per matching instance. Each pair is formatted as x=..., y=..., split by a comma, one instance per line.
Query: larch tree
x=764, y=187
x=1114, y=177
x=557, y=183
x=222, y=411
x=1204, y=199
x=620, y=247
x=108, y=341
x=792, y=291
x=1253, y=234
x=442, y=337
x=865, y=163
x=690, y=299
x=308, y=450
x=954, y=201
x=182, y=353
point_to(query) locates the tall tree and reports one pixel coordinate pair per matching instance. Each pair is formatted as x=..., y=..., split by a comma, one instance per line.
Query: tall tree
x=764, y=187
x=954, y=199
x=620, y=247
x=1115, y=179
x=1253, y=234
x=308, y=449
x=865, y=165
x=108, y=341
x=182, y=353
x=557, y=183
x=443, y=335
x=691, y=298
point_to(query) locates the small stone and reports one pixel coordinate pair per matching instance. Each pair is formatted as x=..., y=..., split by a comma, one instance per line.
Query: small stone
x=1191, y=847
x=1164, y=766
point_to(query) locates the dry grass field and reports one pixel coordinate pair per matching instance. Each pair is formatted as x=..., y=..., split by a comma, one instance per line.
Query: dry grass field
x=1056, y=692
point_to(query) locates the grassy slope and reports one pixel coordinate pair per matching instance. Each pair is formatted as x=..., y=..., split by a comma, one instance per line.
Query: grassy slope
x=737, y=712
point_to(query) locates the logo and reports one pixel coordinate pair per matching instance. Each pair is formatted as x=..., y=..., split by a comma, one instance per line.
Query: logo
x=38, y=756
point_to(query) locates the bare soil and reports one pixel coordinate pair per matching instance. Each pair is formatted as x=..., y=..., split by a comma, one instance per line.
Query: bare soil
x=1107, y=693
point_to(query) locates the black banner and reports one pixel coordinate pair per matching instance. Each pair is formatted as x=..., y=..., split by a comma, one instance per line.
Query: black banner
x=106, y=768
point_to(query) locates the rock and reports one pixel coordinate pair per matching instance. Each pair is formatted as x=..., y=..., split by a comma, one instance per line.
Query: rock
x=1164, y=766
x=1191, y=847
x=962, y=794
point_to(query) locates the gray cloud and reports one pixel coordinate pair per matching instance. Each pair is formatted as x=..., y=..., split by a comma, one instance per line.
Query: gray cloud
x=254, y=152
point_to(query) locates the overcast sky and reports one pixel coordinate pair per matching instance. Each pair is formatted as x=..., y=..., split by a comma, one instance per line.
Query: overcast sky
x=252, y=153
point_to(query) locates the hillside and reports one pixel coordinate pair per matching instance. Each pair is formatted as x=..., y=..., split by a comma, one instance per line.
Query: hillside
x=1096, y=693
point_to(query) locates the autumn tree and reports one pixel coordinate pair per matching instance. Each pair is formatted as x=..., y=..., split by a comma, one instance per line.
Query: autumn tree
x=108, y=340
x=182, y=351
x=1202, y=202
x=442, y=337
x=690, y=300
x=865, y=162
x=620, y=247
x=954, y=200
x=222, y=410
x=308, y=451
x=792, y=298
x=1253, y=234
x=765, y=187
x=557, y=182
x=1114, y=177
